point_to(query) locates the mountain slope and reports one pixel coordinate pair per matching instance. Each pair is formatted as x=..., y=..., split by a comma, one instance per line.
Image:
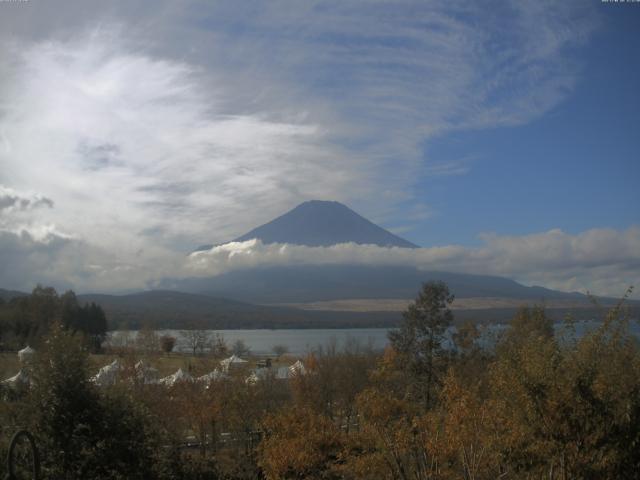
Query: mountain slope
x=320, y=224
x=171, y=309
x=7, y=295
x=308, y=283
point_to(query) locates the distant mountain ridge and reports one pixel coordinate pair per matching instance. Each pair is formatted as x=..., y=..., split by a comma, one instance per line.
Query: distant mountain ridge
x=160, y=309
x=178, y=310
x=308, y=283
x=318, y=223
x=172, y=309
x=7, y=295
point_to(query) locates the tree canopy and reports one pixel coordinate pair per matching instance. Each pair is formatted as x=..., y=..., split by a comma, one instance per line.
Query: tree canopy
x=419, y=340
x=24, y=320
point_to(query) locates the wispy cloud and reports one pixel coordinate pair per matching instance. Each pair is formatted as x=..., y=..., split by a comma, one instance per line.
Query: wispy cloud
x=157, y=127
x=124, y=142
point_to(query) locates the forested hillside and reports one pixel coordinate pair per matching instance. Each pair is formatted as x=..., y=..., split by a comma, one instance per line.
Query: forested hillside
x=26, y=319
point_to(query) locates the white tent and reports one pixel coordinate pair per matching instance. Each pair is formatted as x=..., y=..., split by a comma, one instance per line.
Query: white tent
x=257, y=375
x=141, y=365
x=108, y=374
x=179, y=376
x=297, y=368
x=285, y=373
x=231, y=362
x=212, y=376
x=26, y=353
x=18, y=380
x=146, y=373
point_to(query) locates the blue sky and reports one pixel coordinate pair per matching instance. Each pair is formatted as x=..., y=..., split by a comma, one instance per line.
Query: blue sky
x=576, y=167
x=501, y=137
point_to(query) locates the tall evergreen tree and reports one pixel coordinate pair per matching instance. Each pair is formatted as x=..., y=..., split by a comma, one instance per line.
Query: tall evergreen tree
x=419, y=340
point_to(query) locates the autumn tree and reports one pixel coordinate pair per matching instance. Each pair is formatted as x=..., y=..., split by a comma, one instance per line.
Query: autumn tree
x=239, y=417
x=200, y=410
x=218, y=346
x=529, y=322
x=465, y=338
x=299, y=443
x=167, y=343
x=392, y=441
x=83, y=434
x=196, y=339
x=280, y=350
x=147, y=340
x=240, y=348
x=570, y=411
x=466, y=431
x=471, y=360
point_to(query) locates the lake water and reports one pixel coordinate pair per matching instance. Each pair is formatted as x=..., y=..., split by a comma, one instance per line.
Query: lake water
x=297, y=341
x=301, y=341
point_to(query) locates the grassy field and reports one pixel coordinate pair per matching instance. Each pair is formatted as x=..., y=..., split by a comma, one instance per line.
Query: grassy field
x=398, y=305
x=166, y=364
x=9, y=365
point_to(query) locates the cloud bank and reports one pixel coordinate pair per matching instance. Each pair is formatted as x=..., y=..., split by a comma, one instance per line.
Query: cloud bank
x=603, y=261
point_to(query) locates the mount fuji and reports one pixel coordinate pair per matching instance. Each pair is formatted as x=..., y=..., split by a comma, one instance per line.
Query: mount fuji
x=319, y=223
x=324, y=223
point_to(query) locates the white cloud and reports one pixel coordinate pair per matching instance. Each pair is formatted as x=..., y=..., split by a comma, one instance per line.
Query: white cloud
x=46, y=256
x=273, y=103
x=12, y=201
x=127, y=143
x=157, y=127
x=603, y=261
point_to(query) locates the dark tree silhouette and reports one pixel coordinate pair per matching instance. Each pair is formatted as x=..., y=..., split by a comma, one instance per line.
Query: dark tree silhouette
x=419, y=339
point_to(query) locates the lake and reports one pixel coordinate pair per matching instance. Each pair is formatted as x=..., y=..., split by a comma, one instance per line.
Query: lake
x=301, y=341
x=297, y=341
